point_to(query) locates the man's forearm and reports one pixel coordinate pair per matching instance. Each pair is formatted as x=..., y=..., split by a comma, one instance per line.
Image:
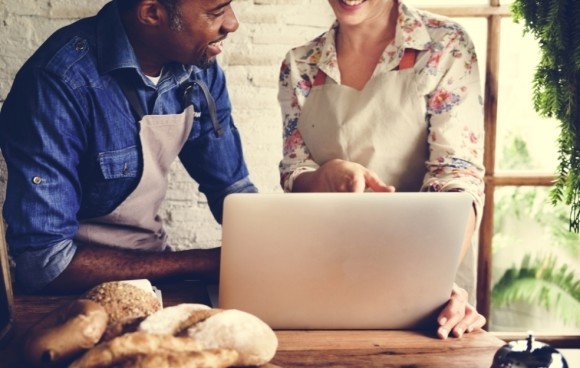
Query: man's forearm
x=92, y=265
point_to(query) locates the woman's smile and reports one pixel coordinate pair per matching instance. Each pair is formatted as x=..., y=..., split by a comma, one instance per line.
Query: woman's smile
x=352, y=2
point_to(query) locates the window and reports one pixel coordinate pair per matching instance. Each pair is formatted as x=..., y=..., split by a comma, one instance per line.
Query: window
x=520, y=227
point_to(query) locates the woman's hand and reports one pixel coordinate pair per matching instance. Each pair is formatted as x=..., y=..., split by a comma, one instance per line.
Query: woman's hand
x=459, y=316
x=341, y=176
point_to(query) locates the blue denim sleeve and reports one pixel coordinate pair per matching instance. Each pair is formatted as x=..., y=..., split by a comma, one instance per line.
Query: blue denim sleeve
x=47, y=264
x=216, y=162
x=41, y=137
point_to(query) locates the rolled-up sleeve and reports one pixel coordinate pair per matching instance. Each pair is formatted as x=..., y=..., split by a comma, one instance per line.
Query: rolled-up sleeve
x=37, y=268
x=456, y=130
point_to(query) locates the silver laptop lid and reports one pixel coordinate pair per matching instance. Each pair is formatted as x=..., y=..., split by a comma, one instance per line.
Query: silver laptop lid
x=341, y=260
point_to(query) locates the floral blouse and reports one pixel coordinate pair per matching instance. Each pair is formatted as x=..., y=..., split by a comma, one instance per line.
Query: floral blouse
x=448, y=77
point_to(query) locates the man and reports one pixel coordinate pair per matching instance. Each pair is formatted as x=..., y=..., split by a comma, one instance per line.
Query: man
x=89, y=130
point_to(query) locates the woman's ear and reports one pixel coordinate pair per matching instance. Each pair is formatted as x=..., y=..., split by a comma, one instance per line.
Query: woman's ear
x=151, y=12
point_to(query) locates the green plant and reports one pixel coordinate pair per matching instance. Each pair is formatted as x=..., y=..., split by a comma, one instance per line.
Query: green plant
x=556, y=25
x=541, y=282
x=547, y=275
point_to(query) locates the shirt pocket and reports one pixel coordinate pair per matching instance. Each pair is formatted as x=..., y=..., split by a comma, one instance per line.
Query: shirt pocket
x=113, y=177
x=119, y=164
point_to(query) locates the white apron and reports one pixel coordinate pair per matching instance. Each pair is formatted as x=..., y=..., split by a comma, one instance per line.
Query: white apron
x=135, y=223
x=382, y=128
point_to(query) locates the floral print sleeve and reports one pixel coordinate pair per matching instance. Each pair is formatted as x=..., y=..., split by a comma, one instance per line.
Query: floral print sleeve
x=293, y=88
x=454, y=113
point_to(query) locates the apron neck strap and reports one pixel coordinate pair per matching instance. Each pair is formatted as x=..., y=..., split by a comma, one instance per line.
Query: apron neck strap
x=187, y=89
x=131, y=96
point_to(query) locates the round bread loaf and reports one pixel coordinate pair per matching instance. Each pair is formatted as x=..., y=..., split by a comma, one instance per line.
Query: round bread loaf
x=175, y=319
x=126, y=305
x=245, y=333
x=253, y=339
x=64, y=334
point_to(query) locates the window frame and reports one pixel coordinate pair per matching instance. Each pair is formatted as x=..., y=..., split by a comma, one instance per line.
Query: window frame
x=494, y=12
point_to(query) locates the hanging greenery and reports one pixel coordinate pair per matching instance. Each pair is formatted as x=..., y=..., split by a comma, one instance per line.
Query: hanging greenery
x=555, y=24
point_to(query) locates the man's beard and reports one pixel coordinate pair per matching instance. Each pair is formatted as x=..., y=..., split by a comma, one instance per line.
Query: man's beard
x=176, y=25
x=205, y=61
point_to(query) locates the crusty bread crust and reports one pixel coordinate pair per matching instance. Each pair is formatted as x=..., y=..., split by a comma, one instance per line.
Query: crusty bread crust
x=65, y=333
x=212, y=358
x=215, y=328
x=176, y=319
x=125, y=304
x=125, y=346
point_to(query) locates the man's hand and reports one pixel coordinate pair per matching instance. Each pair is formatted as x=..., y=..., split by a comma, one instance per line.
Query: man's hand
x=340, y=176
x=459, y=316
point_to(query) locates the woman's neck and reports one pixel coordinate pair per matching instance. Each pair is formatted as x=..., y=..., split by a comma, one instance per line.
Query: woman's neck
x=374, y=32
x=359, y=48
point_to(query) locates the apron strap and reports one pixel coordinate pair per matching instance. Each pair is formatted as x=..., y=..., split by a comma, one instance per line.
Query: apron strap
x=188, y=88
x=319, y=78
x=408, y=59
x=131, y=96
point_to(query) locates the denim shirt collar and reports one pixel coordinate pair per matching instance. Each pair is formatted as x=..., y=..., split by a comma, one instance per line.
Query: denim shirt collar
x=116, y=52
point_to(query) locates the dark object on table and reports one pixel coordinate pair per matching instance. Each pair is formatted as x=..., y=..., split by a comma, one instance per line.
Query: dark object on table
x=528, y=354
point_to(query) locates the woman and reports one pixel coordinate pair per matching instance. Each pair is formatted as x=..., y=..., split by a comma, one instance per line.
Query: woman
x=388, y=99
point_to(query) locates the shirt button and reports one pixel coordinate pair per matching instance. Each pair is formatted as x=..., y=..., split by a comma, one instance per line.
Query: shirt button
x=37, y=180
x=80, y=46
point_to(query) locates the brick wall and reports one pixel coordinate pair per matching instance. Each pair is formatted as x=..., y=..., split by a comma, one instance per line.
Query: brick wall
x=252, y=56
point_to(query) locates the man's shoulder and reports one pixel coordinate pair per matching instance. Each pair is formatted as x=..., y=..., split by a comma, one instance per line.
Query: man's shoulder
x=69, y=54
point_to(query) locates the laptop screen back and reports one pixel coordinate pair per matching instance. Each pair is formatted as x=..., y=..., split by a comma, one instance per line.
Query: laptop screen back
x=341, y=260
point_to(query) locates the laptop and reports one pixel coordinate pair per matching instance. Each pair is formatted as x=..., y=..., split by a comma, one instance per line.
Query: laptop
x=341, y=260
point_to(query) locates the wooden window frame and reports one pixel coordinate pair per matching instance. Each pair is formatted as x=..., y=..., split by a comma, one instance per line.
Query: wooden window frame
x=494, y=13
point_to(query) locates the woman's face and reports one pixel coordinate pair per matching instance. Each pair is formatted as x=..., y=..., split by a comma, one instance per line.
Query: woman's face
x=354, y=12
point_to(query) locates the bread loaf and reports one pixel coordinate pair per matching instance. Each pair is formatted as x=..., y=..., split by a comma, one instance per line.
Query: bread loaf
x=65, y=334
x=125, y=303
x=135, y=348
x=253, y=339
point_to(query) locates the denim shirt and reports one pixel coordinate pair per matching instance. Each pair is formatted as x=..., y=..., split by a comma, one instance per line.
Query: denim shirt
x=71, y=141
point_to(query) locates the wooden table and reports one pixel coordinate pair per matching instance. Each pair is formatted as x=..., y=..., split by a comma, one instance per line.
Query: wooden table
x=305, y=348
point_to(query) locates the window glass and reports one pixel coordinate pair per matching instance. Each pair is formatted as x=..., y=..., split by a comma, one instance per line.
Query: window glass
x=519, y=127
x=536, y=264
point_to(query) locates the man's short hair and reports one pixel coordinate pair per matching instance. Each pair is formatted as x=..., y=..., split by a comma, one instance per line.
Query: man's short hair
x=172, y=7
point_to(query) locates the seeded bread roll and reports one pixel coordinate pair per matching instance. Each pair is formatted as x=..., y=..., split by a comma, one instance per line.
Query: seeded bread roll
x=125, y=304
x=65, y=334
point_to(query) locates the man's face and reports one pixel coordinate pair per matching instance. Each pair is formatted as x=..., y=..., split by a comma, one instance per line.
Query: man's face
x=196, y=36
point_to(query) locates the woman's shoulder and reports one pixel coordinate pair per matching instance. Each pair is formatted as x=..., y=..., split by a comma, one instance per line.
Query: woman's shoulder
x=439, y=28
x=309, y=52
x=442, y=28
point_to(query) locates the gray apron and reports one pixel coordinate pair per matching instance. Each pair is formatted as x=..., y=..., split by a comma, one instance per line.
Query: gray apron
x=135, y=223
x=382, y=127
